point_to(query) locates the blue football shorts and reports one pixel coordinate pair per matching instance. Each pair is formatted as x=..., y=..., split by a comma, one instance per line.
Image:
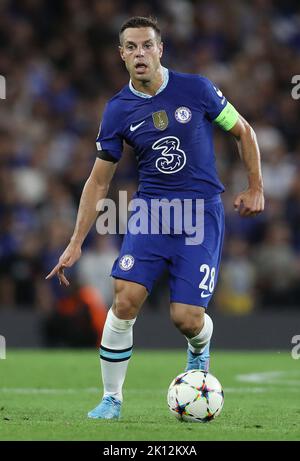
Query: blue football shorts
x=193, y=269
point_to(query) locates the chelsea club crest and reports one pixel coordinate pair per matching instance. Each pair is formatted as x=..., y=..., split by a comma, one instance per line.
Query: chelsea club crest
x=183, y=114
x=126, y=262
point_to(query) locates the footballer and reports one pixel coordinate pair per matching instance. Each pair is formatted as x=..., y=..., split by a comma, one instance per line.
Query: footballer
x=168, y=118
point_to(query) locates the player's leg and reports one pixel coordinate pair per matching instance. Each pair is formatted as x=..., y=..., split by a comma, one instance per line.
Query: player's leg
x=197, y=327
x=140, y=263
x=116, y=345
x=193, y=276
x=117, y=338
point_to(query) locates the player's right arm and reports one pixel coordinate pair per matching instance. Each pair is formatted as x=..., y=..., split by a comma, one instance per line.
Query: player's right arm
x=95, y=189
x=109, y=144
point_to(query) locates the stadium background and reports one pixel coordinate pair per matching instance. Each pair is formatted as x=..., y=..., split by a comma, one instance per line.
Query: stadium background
x=61, y=65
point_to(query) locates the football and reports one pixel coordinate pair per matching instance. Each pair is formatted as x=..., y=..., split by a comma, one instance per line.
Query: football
x=195, y=396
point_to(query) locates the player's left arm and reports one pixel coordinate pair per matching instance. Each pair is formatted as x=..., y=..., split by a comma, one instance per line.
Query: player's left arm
x=251, y=201
x=222, y=113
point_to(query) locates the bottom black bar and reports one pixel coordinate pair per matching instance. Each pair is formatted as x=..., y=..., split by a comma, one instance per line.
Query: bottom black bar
x=135, y=450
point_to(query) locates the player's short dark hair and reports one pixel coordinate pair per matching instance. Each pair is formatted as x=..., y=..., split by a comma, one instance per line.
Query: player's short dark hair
x=137, y=22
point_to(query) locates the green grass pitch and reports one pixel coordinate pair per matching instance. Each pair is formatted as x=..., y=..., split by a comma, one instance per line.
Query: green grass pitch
x=45, y=395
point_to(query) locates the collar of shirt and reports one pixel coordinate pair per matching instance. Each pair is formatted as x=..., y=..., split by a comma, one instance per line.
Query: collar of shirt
x=160, y=89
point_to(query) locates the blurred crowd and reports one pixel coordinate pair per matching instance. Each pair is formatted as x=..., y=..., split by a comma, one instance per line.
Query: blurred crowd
x=61, y=64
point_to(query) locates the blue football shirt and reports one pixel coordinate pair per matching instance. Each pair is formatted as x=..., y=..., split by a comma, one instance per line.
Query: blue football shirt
x=171, y=134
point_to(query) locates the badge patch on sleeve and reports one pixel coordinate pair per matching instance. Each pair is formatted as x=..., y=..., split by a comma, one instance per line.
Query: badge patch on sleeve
x=160, y=120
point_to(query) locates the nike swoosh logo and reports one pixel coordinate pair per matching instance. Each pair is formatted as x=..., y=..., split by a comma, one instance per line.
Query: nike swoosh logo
x=133, y=128
x=203, y=295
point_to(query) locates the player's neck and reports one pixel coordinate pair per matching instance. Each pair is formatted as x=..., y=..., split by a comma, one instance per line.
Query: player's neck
x=151, y=86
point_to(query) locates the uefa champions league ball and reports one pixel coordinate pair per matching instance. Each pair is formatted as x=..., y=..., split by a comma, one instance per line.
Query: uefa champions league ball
x=195, y=396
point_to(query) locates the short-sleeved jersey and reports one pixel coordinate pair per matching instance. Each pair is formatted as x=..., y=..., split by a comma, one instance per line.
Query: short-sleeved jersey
x=171, y=134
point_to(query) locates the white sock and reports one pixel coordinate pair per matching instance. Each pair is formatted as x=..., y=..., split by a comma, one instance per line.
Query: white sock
x=198, y=343
x=115, y=352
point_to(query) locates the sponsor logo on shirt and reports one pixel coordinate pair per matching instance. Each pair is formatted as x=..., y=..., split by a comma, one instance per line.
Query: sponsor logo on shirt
x=172, y=157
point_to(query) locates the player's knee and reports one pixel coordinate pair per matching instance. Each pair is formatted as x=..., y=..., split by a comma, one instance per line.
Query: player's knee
x=124, y=307
x=126, y=304
x=189, y=324
x=190, y=328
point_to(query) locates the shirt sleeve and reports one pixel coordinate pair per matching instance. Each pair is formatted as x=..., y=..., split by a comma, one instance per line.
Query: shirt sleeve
x=217, y=108
x=109, y=138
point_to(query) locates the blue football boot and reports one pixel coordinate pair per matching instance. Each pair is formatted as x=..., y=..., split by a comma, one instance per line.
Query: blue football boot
x=198, y=361
x=108, y=408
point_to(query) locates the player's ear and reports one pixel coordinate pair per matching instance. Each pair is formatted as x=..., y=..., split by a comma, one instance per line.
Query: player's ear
x=161, y=49
x=121, y=50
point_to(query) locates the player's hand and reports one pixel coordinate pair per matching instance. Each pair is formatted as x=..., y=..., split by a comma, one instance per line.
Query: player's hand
x=69, y=257
x=250, y=202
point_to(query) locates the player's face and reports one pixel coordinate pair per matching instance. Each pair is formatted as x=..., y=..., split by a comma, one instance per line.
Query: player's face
x=141, y=50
